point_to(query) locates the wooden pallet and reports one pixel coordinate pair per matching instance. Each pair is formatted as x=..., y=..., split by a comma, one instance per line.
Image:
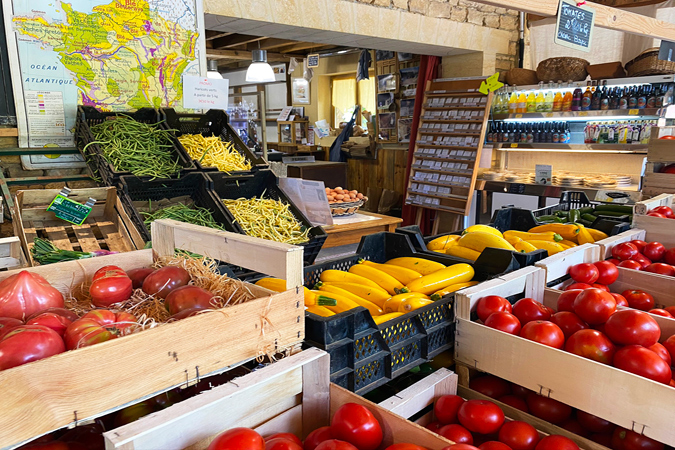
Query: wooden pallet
x=293, y=395
x=625, y=399
x=55, y=392
x=104, y=229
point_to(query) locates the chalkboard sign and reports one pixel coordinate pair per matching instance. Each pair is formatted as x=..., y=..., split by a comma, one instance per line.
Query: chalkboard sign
x=313, y=60
x=574, y=27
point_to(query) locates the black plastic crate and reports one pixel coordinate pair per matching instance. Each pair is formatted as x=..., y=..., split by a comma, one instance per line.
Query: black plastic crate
x=214, y=123
x=264, y=183
x=196, y=185
x=93, y=155
x=499, y=260
x=365, y=355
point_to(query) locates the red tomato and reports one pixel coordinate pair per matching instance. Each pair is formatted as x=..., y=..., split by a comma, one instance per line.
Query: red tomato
x=654, y=251
x=591, y=344
x=669, y=256
x=660, y=312
x=568, y=322
x=520, y=391
x=29, y=343
x=480, y=416
x=51, y=320
x=578, y=286
x=504, y=321
x=661, y=268
x=96, y=326
x=548, y=409
x=68, y=314
x=624, y=251
x=544, y=332
x=138, y=276
x=613, y=261
x=669, y=344
x=456, y=433
x=566, y=300
x=355, y=424
x=288, y=436
x=491, y=386
x=110, y=285
x=7, y=324
x=555, y=442
x=601, y=286
x=639, y=299
x=639, y=244
x=573, y=426
x=282, y=444
x=335, y=444
x=188, y=298
x=446, y=408
x=643, y=362
x=26, y=293
x=491, y=304
x=623, y=439
x=515, y=402
x=528, y=309
x=594, y=306
x=660, y=350
x=653, y=214
x=460, y=447
x=642, y=260
x=607, y=272
x=316, y=437
x=494, y=445
x=164, y=280
x=405, y=446
x=671, y=310
x=584, y=273
x=593, y=423
x=665, y=210
x=620, y=299
x=630, y=264
x=631, y=327
x=434, y=426
x=519, y=435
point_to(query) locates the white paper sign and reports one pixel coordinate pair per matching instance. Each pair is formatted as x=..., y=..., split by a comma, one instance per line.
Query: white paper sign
x=205, y=93
x=310, y=197
x=543, y=174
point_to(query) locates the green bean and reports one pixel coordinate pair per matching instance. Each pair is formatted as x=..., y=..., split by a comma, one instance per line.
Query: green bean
x=183, y=213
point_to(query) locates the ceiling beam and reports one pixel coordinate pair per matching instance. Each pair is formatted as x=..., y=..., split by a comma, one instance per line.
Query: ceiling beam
x=271, y=43
x=246, y=55
x=605, y=17
x=235, y=40
x=300, y=46
x=212, y=34
x=627, y=3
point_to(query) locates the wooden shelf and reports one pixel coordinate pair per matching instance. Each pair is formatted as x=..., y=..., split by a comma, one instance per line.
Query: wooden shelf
x=451, y=108
x=453, y=147
x=445, y=133
x=443, y=172
x=609, y=114
x=441, y=196
x=440, y=158
x=453, y=94
x=431, y=183
x=451, y=121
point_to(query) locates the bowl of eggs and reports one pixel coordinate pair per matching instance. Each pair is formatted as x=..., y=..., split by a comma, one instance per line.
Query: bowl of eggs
x=344, y=202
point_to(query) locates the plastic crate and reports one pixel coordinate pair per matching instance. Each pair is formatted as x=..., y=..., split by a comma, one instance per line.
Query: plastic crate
x=365, y=355
x=214, y=123
x=264, y=183
x=497, y=259
x=88, y=116
x=196, y=185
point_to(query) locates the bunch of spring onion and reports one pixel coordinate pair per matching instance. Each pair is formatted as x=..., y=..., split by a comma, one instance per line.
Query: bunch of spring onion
x=45, y=252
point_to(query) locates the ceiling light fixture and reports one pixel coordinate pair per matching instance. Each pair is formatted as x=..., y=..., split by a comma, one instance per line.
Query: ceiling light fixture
x=212, y=69
x=260, y=71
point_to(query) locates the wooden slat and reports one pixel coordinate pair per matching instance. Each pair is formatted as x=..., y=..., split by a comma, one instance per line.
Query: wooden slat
x=315, y=394
x=112, y=237
x=59, y=237
x=556, y=266
x=87, y=240
x=415, y=398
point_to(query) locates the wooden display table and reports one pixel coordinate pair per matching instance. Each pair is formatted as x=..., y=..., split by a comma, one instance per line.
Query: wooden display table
x=350, y=229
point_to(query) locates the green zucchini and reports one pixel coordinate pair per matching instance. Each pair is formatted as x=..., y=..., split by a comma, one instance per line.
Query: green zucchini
x=611, y=213
x=585, y=223
x=549, y=218
x=574, y=215
x=589, y=217
x=625, y=209
x=586, y=210
x=561, y=213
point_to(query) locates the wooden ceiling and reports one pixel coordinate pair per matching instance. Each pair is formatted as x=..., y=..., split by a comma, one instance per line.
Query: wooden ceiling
x=233, y=50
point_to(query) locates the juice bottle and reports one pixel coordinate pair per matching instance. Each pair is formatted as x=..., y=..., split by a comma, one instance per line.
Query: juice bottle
x=567, y=101
x=513, y=103
x=540, y=102
x=558, y=101
x=531, y=103
x=522, y=103
x=548, y=101
x=576, y=99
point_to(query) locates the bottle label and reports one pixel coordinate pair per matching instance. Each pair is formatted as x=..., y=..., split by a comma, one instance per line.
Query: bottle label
x=651, y=103
x=632, y=102
x=586, y=103
x=623, y=103
x=556, y=138
x=642, y=102
x=604, y=103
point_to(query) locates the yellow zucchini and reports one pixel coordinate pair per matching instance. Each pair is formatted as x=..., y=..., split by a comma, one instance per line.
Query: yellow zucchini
x=597, y=235
x=346, y=277
x=524, y=246
x=527, y=236
x=567, y=243
x=463, y=252
x=343, y=304
x=420, y=265
x=450, y=289
x=402, y=274
x=411, y=304
x=382, y=279
x=320, y=311
x=551, y=247
x=480, y=240
x=376, y=295
x=370, y=306
x=569, y=231
x=428, y=284
x=442, y=242
x=484, y=229
x=392, y=304
x=279, y=285
x=379, y=320
x=585, y=237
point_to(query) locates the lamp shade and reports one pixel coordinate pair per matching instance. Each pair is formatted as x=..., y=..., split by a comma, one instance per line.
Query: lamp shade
x=259, y=71
x=212, y=69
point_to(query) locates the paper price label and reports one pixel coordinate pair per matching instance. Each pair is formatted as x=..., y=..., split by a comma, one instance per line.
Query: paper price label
x=69, y=210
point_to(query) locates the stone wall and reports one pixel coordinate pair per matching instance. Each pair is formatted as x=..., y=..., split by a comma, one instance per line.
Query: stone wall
x=465, y=11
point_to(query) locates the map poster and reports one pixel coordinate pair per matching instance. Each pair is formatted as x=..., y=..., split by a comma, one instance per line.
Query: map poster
x=117, y=55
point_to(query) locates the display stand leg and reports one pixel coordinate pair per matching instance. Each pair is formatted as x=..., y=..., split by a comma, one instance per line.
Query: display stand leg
x=437, y=223
x=418, y=216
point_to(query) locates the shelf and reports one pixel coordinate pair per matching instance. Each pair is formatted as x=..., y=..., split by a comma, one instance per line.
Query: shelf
x=434, y=183
x=441, y=196
x=438, y=207
x=445, y=133
x=452, y=94
x=609, y=148
x=440, y=158
x=450, y=121
x=448, y=108
x=609, y=114
x=453, y=147
x=444, y=172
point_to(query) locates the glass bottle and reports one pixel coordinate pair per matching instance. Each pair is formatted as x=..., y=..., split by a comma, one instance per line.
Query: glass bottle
x=632, y=98
x=513, y=103
x=604, y=99
x=642, y=97
x=557, y=102
x=623, y=101
x=595, y=99
x=614, y=99
x=576, y=99
x=567, y=101
x=587, y=99
x=522, y=103
x=548, y=101
x=555, y=134
x=531, y=102
x=651, y=97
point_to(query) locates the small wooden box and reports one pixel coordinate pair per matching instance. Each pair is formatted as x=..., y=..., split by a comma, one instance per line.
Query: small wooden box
x=293, y=395
x=106, y=228
x=655, y=182
x=11, y=254
x=661, y=150
x=85, y=383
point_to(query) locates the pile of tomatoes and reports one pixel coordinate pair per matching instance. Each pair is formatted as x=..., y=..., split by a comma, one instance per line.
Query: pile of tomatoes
x=664, y=212
x=581, y=423
x=640, y=255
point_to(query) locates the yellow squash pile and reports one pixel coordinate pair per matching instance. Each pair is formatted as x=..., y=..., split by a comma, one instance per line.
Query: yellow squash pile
x=553, y=238
x=387, y=290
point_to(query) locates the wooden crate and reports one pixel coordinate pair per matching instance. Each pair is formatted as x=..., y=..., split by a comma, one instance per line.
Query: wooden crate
x=11, y=254
x=556, y=266
x=105, y=229
x=647, y=228
x=292, y=395
x=643, y=207
x=661, y=150
x=89, y=382
x=655, y=182
x=623, y=398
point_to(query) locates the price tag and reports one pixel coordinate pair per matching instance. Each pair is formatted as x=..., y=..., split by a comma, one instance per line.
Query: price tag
x=514, y=145
x=519, y=116
x=70, y=210
x=548, y=115
x=583, y=113
x=633, y=112
x=574, y=26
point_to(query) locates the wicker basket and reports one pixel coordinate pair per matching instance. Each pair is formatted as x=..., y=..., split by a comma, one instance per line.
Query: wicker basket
x=565, y=69
x=521, y=77
x=346, y=209
x=648, y=63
